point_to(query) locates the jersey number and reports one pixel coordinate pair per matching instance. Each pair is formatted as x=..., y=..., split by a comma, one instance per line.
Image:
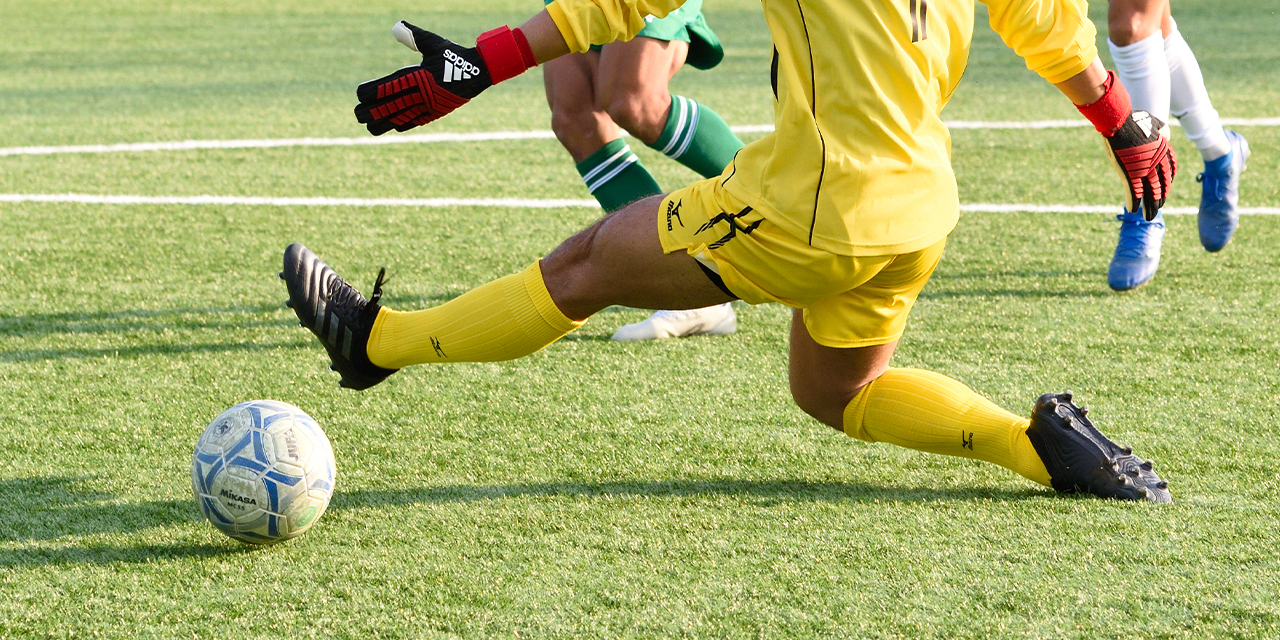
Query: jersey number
x=918, y=10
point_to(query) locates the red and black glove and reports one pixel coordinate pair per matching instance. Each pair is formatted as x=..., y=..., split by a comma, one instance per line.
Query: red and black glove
x=1139, y=145
x=448, y=77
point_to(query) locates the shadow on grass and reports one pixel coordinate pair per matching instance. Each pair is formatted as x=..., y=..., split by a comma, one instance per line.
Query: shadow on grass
x=45, y=508
x=36, y=355
x=49, y=508
x=144, y=321
x=767, y=491
x=135, y=320
x=116, y=554
x=140, y=322
x=36, y=509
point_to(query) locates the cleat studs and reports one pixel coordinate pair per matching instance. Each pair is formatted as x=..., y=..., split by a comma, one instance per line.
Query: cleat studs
x=1133, y=472
x=281, y=274
x=1123, y=480
x=1162, y=485
x=289, y=303
x=1084, y=411
x=333, y=367
x=1146, y=466
x=1067, y=395
x=1126, y=450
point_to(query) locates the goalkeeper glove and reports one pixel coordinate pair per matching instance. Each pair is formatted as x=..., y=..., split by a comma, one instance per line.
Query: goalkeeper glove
x=1139, y=145
x=448, y=77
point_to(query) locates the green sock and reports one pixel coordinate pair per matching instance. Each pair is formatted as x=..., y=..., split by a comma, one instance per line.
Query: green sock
x=697, y=137
x=615, y=176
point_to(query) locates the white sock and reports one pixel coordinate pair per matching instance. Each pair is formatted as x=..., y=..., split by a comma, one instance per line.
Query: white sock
x=1189, y=100
x=1145, y=74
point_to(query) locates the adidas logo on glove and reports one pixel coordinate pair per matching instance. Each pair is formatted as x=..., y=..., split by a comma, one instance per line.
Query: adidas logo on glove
x=456, y=68
x=1143, y=120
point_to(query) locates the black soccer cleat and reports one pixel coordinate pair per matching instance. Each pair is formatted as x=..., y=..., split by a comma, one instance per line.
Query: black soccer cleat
x=339, y=316
x=1082, y=460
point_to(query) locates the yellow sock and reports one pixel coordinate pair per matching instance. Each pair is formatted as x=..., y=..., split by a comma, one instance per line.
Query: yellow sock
x=506, y=319
x=930, y=412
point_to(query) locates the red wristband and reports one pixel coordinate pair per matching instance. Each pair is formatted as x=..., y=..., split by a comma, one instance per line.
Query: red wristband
x=1111, y=110
x=506, y=52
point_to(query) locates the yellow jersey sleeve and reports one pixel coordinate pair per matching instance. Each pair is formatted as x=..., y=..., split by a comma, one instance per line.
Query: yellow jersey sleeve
x=583, y=23
x=1055, y=37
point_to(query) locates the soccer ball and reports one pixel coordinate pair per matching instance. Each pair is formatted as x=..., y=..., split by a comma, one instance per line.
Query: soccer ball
x=263, y=472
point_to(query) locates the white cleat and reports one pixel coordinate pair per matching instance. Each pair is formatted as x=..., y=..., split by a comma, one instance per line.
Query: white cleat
x=719, y=320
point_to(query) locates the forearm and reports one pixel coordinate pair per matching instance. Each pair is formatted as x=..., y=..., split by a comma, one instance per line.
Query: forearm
x=1086, y=87
x=544, y=37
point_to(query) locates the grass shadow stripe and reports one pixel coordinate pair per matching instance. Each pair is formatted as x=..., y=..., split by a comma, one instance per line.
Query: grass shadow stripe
x=762, y=490
x=130, y=352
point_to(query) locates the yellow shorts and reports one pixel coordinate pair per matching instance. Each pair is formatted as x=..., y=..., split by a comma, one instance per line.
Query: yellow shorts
x=848, y=301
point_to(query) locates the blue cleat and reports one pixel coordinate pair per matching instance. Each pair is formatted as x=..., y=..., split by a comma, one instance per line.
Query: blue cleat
x=1221, y=191
x=1138, y=252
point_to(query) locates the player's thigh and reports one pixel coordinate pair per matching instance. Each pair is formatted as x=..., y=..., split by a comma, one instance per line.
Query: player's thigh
x=641, y=63
x=632, y=83
x=570, y=80
x=619, y=261
x=1129, y=21
x=570, y=87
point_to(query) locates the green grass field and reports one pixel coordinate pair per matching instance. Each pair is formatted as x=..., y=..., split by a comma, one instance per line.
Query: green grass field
x=594, y=489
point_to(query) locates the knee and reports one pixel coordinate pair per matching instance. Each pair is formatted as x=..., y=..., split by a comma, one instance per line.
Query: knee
x=821, y=403
x=571, y=123
x=1125, y=31
x=642, y=115
x=567, y=272
x=572, y=257
x=1125, y=27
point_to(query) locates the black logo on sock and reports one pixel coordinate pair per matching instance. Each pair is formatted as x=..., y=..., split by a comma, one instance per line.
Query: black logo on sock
x=435, y=344
x=734, y=227
x=673, y=210
x=966, y=443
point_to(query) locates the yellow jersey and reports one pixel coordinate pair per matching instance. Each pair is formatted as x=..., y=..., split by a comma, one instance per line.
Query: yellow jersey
x=859, y=162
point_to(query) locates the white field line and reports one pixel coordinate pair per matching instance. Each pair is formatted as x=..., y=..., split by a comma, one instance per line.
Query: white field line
x=79, y=198
x=484, y=136
x=511, y=203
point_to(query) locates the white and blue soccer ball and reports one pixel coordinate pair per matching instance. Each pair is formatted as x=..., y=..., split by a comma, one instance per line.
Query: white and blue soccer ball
x=263, y=472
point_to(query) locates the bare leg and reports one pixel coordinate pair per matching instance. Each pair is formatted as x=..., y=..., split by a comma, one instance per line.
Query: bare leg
x=619, y=260
x=631, y=85
x=592, y=94
x=1129, y=21
x=579, y=125
x=825, y=379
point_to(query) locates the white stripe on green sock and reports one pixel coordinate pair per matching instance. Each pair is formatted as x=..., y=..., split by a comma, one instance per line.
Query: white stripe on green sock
x=697, y=137
x=615, y=176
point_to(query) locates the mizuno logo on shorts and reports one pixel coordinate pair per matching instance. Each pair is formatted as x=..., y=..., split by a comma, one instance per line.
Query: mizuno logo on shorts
x=673, y=211
x=457, y=68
